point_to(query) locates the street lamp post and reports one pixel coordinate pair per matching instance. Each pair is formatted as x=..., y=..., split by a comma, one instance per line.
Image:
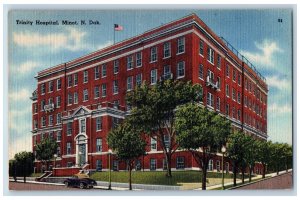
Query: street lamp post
x=109, y=166
x=55, y=156
x=223, y=152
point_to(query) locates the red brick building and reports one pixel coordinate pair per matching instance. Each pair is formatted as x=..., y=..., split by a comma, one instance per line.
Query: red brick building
x=78, y=102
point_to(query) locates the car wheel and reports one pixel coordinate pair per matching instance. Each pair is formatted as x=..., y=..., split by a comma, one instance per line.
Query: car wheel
x=82, y=186
x=67, y=184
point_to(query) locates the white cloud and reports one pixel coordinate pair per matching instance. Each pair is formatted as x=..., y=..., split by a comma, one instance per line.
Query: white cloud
x=72, y=40
x=20, y=95
x=101, y=46
x=19, y=144
x=27, y=66
x=265, y=56
x=276, y=109
x=281, y=84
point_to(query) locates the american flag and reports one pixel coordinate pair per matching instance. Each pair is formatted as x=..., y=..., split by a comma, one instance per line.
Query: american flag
x=118, y=27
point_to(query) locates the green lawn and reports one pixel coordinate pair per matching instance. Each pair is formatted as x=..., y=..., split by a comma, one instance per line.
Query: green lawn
x=157, y=177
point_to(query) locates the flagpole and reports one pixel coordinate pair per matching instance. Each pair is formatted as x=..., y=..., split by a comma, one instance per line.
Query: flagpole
x=114, y=33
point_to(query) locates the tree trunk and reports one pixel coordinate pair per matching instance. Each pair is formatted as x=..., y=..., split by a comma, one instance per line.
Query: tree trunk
x=168, y=160
x=204, y=172
x=129, y=170
x=243, y=175
x=264, y=171
x=24, y=178
x=250, y=173
x=234, y=173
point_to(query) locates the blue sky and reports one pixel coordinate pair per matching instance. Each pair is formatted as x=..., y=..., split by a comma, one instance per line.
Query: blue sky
x=256, y=33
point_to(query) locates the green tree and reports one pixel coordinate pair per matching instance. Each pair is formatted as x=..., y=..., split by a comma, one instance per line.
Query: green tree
x=251, y=155
x=202, y=132
x=23, y=164
x=280, y=156
x=264, y=156
x=236, y=150
x=126, y=141
x=153, y=110
x=288, y=156
x=45, y=150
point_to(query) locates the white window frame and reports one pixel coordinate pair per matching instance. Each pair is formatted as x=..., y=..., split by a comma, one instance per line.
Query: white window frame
x=69, y=148
x=153, y=54
x=129, y=83
x=167, y=48
x=210, y=100
x=99, y=146
x=58, y=83
x=58, y=116
x=70, y=83
x=201, y=47
x=201, y=72
x=104, y=90
x=153, y=143
x=98, y=123
x=178, y=69
x=116, y=66
x=153, y=77
x=180, y=45
x=115, y=87
x=139, y=59
x=58, y=102
x=82, y=125
x=96, y=92
x=85, y=94
x=153, y=164
x=227, y=91
x=210, y=55
x=85, y=76
x=130, y=62
x=137, y=77
x=69, y=128
x=75, y=79
x=219, y=59
x=75, y=98
x=50, y=123
x=210, y=165
x=103, y=71
x=58, y=136
x=43, y=88
x=96, y=73
x=218, y=104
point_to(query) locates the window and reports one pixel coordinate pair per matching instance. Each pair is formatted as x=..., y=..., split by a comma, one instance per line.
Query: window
x=233, y=94
x=69, y=164
x=239, y=79
x=180, y=69
x=85, y=76
x=180, y=45
x=58, y=136
x=116, y=104
x=227, y=70
x=154, y=143
x=50, y=120
x=210, y=74
x=43, y=121
x=210, y=165
x=99, y=145
x=227, y=109
x=153, y=76
x=210, y=99
x=239, y=97
x=85, y=95
x=138, y=165
x=75, y=79
x=115, y=165
x=51, y=134
x=35, y=108
x=218, y=103
x=180, y=162
x=58, y=152
x=129, y=83
x=245, y=101
x=50, y=89
x=129, y=62
x=152, y=164
x=210, y=55
x=103, y=90
x=218, y=166
x=218, y=61
x=103, y=70
x=98, y=123
x=138, y=59
x=70, y=81
x=167, y=49
x=233, y=75
x=58, y=84
x=233, y=112
x=96, y=72
x=138, y=79
x=227, y=90
x=68, y=148
x=167, y=141
x=50, y=101
x=82, y=126
x=167, y=72
x=115, y=122
x=75, y=97
x=96, y=92
x=239, y=115
x=58, y=118
x=201, y=71
x=70, y=98
x=116, y=66
x=58, y=101
x=69, y=128
x=42, y=136
x=98, y=165
x=218, y=82
x=153, y=54
x=115, y=87
x=43, y=102
x=201, y=47
x=35, y=124
x=43, y=88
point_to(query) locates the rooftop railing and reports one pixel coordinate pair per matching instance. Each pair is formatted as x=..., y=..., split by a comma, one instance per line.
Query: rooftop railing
x=243, y=58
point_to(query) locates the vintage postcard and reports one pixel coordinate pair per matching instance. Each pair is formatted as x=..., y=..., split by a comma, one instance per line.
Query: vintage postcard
x=161, y=99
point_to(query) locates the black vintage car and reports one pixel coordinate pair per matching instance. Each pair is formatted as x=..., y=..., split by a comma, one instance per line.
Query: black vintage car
x=82, y=183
